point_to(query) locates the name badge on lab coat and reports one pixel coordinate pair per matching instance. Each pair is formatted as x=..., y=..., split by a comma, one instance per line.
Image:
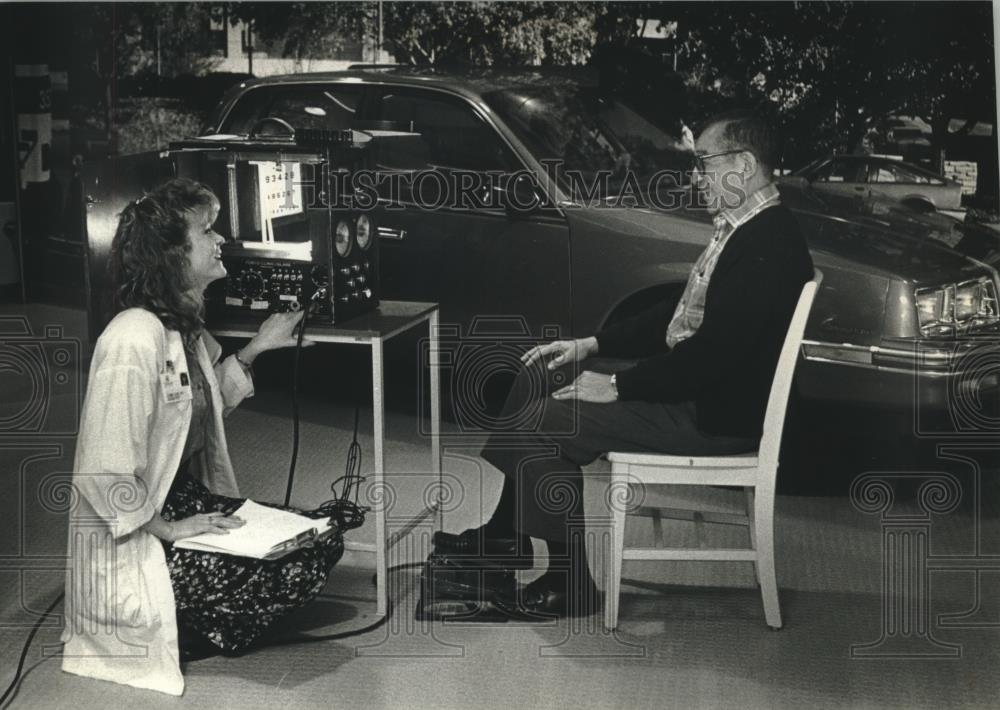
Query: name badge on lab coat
x=175, y=386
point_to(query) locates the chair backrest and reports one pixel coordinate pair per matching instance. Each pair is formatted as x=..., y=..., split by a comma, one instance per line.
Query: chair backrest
x=777, y=402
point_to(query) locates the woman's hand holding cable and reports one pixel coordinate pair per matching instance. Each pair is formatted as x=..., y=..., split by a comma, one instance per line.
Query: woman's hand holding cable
x=278, y=331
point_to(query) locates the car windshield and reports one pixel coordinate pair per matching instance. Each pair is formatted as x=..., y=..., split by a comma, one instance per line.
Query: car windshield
x=591, y=135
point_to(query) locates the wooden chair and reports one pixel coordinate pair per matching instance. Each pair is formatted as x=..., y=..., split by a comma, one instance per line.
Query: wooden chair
x=755, y=472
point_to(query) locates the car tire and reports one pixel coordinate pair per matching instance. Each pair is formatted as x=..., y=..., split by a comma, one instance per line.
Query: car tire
x=919, y=205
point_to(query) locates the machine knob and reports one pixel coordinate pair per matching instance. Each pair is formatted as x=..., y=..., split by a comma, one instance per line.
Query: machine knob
x=318, y=274
x=251, y=284
x=360, y=279
x=367, y=292
x=356, y=267
x=345, y=271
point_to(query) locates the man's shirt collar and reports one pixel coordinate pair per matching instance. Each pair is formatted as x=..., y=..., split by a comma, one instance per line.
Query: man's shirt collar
x=756, y=203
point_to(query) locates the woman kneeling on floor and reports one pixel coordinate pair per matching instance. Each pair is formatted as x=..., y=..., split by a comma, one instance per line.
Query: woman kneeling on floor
x=152, y=466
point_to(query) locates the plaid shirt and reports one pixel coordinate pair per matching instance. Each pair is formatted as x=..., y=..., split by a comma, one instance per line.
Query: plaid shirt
x=691, y=309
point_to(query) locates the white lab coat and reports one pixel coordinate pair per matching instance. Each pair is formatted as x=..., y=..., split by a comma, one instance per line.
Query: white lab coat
x=120, y=615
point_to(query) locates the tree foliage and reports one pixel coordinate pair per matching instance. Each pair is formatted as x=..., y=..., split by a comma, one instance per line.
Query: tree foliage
x=829, y=70
x=302, y=29
x=479, y=33
x=486, y=33
x=832, y=69
x=129, y=39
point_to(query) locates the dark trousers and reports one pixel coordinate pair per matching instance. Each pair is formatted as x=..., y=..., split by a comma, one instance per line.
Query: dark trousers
x=545, y=442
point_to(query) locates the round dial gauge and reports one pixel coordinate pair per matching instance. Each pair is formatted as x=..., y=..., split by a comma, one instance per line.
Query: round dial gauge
x=342, y=238
x=363, y=231
x=319, y=276
x=251, y=284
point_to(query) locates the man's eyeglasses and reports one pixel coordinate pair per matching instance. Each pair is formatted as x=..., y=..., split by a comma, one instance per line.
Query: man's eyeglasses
x=699, y=160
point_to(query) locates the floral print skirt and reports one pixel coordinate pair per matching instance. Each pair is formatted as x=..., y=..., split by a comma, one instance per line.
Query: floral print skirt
x=229, y=600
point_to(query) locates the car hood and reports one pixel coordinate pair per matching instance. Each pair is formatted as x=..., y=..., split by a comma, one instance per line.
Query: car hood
x=882, y=237
x=887, y=236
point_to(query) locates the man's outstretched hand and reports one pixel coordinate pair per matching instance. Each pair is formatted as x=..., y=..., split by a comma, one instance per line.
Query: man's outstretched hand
x=561, y=352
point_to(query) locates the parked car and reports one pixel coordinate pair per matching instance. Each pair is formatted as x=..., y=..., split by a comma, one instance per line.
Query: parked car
x=907, y=138
x=905, y=297
x=869, y=177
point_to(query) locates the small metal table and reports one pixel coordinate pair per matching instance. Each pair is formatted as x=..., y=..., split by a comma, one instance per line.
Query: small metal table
x=373, y=330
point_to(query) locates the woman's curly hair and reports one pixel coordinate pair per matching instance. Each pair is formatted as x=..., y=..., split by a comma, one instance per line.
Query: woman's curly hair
x=149, y=255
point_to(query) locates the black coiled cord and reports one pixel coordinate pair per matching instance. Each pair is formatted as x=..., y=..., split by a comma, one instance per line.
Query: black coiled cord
x=343, y=508
x=295, y=403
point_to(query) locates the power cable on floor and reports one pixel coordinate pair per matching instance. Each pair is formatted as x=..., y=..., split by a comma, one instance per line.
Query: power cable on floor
x=24, y=651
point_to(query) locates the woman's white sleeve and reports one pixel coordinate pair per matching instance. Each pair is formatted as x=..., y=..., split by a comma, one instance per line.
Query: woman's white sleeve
x=112, y=448
x=235, y=383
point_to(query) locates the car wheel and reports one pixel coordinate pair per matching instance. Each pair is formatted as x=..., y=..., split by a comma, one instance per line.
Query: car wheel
x=919, y=205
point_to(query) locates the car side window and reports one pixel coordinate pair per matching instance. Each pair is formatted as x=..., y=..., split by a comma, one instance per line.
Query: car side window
x=883, y=175
x=451, y=136
x=328, y=106
x=841, y=171
x=908, y=176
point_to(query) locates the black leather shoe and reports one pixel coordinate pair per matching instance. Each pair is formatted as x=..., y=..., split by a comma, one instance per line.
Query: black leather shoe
x=508, y=552
x=548, y=597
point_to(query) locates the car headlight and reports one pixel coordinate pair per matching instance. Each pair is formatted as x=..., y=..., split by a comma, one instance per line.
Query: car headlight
x=342, y=238
x=363, y=231
x=955, y=308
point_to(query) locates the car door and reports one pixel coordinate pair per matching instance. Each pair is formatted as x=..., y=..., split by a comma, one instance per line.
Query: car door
x=843, y=176
x=472, y=256
x=901, y=183
x=886, y=180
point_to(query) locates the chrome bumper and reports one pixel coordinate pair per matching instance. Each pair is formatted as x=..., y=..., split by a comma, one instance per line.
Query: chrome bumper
x=924, y=377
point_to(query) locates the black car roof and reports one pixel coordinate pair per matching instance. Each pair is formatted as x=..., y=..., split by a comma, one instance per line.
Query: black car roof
x=475, y=81
x=471, y=83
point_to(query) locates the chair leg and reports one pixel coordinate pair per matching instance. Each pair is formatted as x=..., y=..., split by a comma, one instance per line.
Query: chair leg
x=749, y=492
x=657, y=528
x=764, y=524
x=613, y=578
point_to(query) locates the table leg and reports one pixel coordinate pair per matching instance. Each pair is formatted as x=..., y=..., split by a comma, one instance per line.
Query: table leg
x=378, y=416
x=435, y=383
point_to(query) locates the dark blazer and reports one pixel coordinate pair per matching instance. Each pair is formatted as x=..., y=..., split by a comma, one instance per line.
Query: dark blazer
x=728, y=365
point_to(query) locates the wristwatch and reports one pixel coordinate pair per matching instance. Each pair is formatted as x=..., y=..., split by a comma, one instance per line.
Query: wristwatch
x=614, y=384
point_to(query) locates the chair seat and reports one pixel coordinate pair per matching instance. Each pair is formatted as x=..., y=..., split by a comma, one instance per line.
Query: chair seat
x=748, y=460
x=738, y=470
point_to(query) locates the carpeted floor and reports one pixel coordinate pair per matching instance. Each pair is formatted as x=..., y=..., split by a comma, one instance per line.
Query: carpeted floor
x=691, y=635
